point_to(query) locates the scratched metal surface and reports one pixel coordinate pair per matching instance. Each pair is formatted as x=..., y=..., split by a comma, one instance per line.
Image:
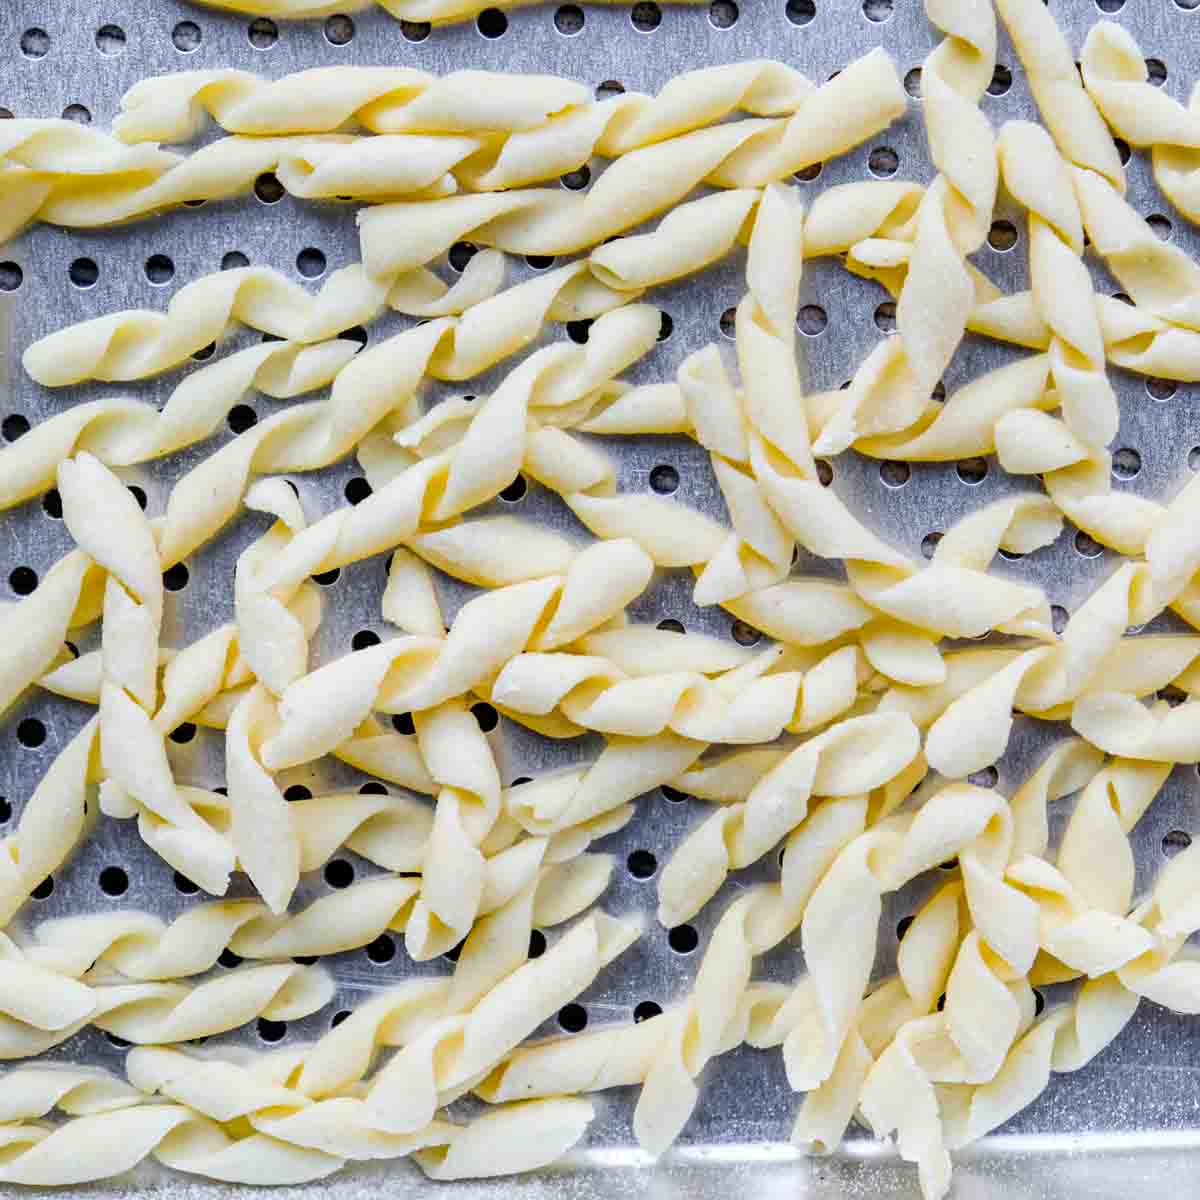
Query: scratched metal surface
x=1135, y=1109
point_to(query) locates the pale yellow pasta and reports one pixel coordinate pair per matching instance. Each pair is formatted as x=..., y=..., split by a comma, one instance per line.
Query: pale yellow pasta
x=325, y=166
x=852, y=757
x=36, y=155
x=40, y=1007
x=1068, y=111
x=1114, y=73
x=892, y=386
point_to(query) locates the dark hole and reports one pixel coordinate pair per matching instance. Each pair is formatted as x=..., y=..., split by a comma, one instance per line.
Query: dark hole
x=205, y=352
x=642, y=864
x=183, y=734
x=23, y=580
x=263, y=33
x=579, y=331
x=44, y=890
x=454, y=951
x=1156, y=71
x=241, y=417
x=364, y=639
x=883, y=162
x=271, y=1031
x=228, y=959
x=31, y=732
x=1087, y=545
x=11, y=276
x=609, y=88
x=78, y=113
x=645, y=1010
x=1124, y=299
x=185, y=885
x=338, y=1018
x=578, y=179
x=540, y=262
x=515, y=490
x=382, y=949
x=5, y=810
x=745, y=634
x=1123, y=151
x=986, y=778
x=723, y=14
x=310, y=262
x=268, y=188
x=1002, y=236
x=902, y=927
x=356, y=333
x=683, y=939
x=646, y=16
x=941, y=1004
x=1039, y=1002
x=1126, y=463
x=972, y=470
x=297, y=791
x=325, y=578
x=83, y=272
x=672, y=794
x=357, y=490
x=159, y=269
x=186, y=36
x=885, y=317
x=234, y=260
x=460, y=254
x=110, y=39
x=666, y=327
x=800, y=12
x=728, y=322
x=339, y=30
x=339, y=873
x=14, y=426
x=175, y=578
x=372, y=788
x=520, y=780
x=877, y=10
x=664, y=479
x=812, y=320
x=35, y=43
x=114, y=881
x=492, y=23
x=929, y=543
x=1175, y=841
x=912, y=83
x=537, y=943
x=306, y=960
x=894, y=474
x=939, y=392
x=824, y=472
x=1001, y=81
x=403, y=723
x=222, y=790
x=1161, y=226
x=1160, y=389
x=573, y=1018
x=414, y=31
x=485, y=714
x=568, y=19
x=139, y=495
x=810, y=173
x=670, y=625
x=1058, y=618
x=114, y=1040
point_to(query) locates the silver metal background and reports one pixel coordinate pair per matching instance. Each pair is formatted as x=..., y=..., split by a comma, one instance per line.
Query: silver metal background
x=1135, y=1108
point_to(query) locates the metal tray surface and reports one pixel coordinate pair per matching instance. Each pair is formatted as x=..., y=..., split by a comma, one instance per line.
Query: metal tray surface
x=1127, y=1123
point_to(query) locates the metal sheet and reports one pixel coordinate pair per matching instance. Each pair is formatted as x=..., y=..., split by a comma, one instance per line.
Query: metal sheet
x=1134, y=1109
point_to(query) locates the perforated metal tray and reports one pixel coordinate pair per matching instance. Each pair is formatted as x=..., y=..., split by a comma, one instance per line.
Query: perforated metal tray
x=1123, y=1126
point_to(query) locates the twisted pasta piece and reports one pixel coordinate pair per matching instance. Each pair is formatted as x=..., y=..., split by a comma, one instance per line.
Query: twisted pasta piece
x=840, y=923
x=753, y=702
x=114, y=1128
x=1114, y=74
x=863, y=99
x=854, y=756
x=312, y=167
x=173, y=107
x=455, y=1052
x=892, y=385
x=37, y=155
x=1066, y=108
x=40, y=1008
x=52, y=822
x=123, y=432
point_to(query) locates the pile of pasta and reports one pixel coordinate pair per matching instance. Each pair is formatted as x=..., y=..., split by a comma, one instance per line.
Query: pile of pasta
x=845, y=741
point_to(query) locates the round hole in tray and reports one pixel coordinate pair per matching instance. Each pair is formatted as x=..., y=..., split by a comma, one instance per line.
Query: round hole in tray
x=486, y=716
x=645, y=1010
x=642, y=864
x=110, y=40
x=492, y=23
x=31, y=732
x=1001, y=81
x=14, y=426
x=364, y=639
x=339, y=29
x=573, y=1018
x=537, y=943
x=569, y=19
x=297, y=791
x=415, y=31
x=271, y=1031
x=114, y=881
x=664, y=479
x=646, y=16
x=22, y=580
x=339, y=873
x=800, y=12
x=263, y=33
x=11, y=276
x=683, y=939
x=186, y=37
x=912, y=82
x=723, y=14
